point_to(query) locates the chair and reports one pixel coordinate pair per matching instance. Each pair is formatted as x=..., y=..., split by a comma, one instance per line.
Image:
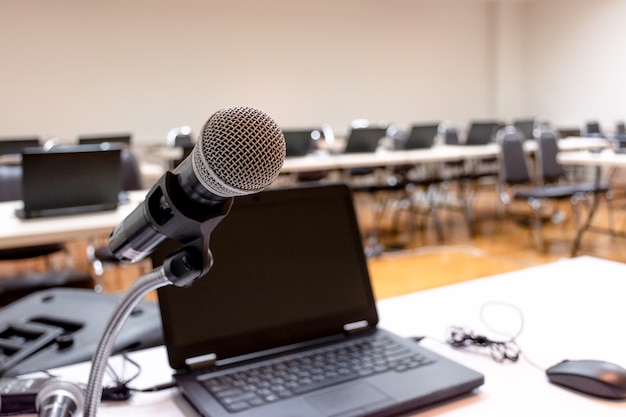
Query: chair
x=483, y=133
x=57, y=269
x=302, y=142
x=180, y=137
x=364, y=140
x=516, y=181
x=421, y=136
x=550, y=171
x=471, y=176
x=619, y=136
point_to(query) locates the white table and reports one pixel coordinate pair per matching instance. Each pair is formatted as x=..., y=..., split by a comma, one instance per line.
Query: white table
x=606, y=158
x=16, y=232
x=572, y=309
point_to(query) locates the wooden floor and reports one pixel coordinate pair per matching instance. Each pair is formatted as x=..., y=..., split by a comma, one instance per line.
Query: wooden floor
x=500, y=244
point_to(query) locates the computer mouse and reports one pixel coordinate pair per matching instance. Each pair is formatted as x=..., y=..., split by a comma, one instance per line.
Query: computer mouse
x=593, y=377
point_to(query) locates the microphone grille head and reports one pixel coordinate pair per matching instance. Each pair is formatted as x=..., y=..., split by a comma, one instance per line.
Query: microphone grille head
x=240, y=151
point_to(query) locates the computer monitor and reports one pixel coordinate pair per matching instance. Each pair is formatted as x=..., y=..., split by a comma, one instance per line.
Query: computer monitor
x=124, y=138
x=10, y=146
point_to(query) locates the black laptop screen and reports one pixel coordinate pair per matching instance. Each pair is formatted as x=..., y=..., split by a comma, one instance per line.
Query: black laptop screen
x=289, y=266
x=70, y=179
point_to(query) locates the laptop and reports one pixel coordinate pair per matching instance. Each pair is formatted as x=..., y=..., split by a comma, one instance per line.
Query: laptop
x=70, y=180
x=285, y=322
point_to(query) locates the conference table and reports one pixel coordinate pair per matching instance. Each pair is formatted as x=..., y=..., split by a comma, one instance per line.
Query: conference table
x=17, y=232
x=568, y=309
x=436, y=154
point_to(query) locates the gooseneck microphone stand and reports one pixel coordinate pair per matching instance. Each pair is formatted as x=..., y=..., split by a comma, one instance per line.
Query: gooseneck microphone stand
x=178, y=269
x=192, y=229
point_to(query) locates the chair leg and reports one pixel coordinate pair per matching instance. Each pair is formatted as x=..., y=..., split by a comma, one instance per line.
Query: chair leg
x=538, y=223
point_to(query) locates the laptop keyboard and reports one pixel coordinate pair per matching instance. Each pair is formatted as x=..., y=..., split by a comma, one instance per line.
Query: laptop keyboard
x=272, y=382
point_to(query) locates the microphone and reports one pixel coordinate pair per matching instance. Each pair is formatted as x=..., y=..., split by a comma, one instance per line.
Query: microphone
x=240, y=151
x=58, y=398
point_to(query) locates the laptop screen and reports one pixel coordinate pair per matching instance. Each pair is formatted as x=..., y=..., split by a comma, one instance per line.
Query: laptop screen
x=289, y=267
x=70, y=179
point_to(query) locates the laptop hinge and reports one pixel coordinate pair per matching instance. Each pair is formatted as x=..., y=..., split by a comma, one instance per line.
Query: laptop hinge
x=203, y=361
x=357, y=326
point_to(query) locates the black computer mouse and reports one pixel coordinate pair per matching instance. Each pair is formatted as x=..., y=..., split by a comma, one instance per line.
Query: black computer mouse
x=593, y=377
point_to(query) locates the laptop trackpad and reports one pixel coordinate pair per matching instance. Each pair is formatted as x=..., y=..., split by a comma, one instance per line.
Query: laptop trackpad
x=342, y=400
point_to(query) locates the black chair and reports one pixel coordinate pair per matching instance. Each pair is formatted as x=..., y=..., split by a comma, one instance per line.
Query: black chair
x=619, y=136
x=516, y=183
x=550, y=171
x=180, y=137
x=57, y=270
x=302, y=142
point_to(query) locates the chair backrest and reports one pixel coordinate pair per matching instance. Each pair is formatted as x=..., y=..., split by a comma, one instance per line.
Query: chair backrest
x=10, y=182
x=300, y=142
x=513, y=163
x=131, y=172
x=548, y=168
x=365, y=139
x=421, y=136
x=482, y=133
x=451, y=136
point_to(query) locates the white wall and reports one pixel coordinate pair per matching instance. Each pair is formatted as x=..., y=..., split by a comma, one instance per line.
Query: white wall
x=576, y=61
x=145, y=66
x=73, y=66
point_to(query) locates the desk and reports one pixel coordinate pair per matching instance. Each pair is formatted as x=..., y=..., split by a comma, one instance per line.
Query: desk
x=21, y=232
x=572, y=309
x=435, y=154
x=605, y=159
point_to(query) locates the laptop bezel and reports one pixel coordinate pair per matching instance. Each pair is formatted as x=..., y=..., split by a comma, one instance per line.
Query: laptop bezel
x=292, y=334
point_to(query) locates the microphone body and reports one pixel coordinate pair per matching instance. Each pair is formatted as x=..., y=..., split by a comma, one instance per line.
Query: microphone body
x=59, y=399
x=240, y=151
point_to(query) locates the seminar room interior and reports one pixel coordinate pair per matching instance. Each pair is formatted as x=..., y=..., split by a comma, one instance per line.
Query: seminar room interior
x=151, y=70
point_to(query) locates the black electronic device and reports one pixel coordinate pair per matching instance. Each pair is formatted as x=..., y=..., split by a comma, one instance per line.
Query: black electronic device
x=18, y=395
x=593, y=377
x=70, y=180
x=62, y=326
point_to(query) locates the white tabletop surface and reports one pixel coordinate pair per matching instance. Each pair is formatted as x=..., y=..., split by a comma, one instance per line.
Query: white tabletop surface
x=606, y=158
x=16, y=232
x=572, y=309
